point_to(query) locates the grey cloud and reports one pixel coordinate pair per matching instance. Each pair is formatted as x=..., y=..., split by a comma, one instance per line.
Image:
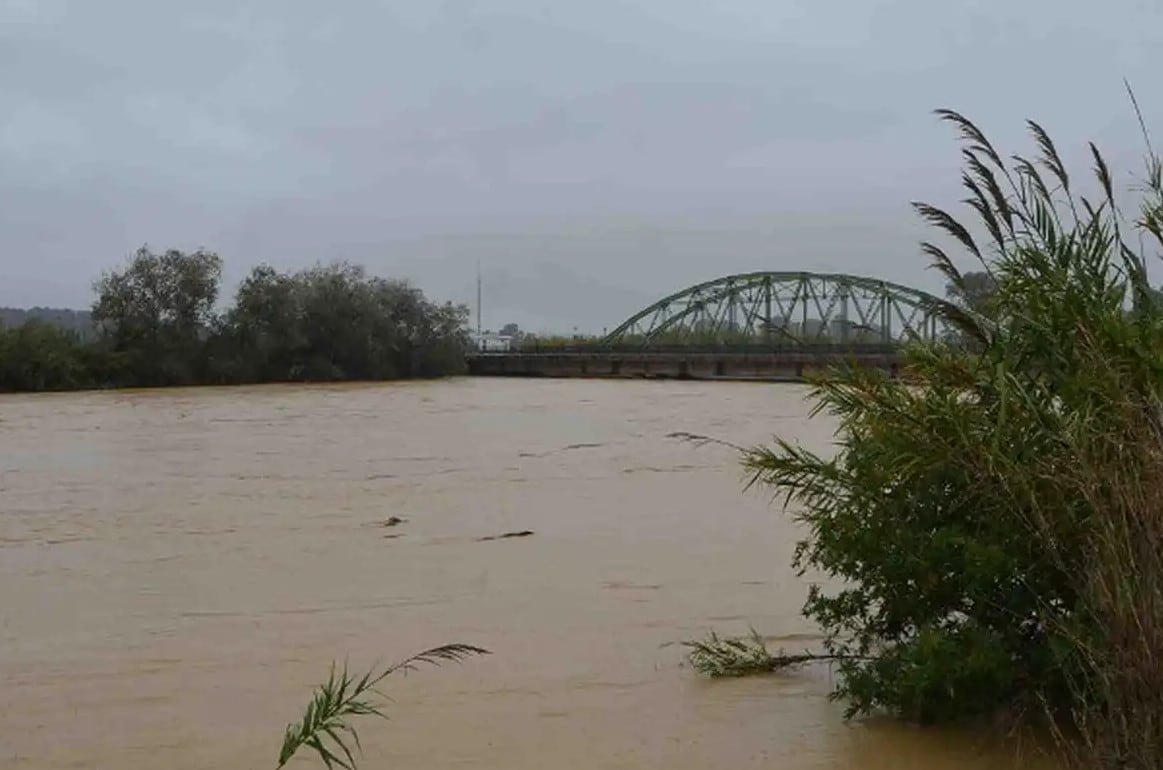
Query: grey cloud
x=592, y=156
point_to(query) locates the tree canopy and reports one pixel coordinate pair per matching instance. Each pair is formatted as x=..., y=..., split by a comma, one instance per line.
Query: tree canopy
x=157, y=323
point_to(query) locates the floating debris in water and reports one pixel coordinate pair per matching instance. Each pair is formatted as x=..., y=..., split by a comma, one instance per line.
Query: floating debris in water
x=521, y=533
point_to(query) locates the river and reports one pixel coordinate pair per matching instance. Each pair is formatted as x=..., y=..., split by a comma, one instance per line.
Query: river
x=179, y=567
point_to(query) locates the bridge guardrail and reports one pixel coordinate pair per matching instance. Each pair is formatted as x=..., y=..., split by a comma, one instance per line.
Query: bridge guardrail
x=833, y=349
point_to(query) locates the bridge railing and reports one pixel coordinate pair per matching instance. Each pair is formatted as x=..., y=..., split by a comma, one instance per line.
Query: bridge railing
x=597, y=348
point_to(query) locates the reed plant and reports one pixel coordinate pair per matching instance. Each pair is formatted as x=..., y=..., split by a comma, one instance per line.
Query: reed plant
x=993, y=523
x=326, y=725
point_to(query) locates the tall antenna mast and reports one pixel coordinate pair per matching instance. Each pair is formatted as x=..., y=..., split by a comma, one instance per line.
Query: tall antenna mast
x=478, y=298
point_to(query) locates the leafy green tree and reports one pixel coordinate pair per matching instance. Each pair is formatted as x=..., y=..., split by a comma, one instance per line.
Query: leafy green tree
x=438, y=345
x=157, y=313
x=976, y=291
x=260, y=335
x=335, y=322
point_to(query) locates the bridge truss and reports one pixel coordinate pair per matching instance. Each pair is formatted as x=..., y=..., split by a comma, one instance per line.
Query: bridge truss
x=786, y=310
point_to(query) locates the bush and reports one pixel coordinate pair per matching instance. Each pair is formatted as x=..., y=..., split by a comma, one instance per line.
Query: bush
x=36, y=356
x=994, y=520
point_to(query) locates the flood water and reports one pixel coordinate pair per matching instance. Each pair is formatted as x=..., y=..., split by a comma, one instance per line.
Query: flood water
x=178, y=568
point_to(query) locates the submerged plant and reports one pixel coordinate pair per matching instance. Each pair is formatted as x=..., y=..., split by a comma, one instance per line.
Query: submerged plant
x=325, y=726
x=719, y=657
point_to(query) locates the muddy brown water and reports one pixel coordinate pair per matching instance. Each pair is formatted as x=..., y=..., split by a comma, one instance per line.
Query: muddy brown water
x=178, y=568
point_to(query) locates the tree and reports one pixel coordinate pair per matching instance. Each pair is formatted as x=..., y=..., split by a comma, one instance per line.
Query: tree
x=333, y=322
x=975, y=291
x=157, y=312
x=442, y=341
x=260, y=336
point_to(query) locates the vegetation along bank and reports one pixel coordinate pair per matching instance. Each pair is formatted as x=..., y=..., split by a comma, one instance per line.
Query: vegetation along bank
x=154, y=323
x=996, y=525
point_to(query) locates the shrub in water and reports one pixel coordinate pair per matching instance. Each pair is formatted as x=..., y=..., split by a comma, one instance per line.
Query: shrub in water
x=995, y=519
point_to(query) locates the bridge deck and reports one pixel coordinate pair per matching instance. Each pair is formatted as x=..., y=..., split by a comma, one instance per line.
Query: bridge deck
x=760, y=364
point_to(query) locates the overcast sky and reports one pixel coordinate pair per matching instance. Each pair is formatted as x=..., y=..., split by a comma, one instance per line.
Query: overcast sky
x=593, y=156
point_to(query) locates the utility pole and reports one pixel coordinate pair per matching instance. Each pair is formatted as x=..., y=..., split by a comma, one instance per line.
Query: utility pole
x=479, y=302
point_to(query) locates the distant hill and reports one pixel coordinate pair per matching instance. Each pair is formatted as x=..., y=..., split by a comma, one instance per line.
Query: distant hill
x=79, y=321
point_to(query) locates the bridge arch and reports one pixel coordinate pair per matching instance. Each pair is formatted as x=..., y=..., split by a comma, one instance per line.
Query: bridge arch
x=786, y=309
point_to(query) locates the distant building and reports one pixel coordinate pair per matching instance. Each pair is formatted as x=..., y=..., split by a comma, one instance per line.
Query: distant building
x=488, y=342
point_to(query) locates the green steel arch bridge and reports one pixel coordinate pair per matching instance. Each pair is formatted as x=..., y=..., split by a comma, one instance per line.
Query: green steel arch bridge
x=785, y=310
x=759, y=325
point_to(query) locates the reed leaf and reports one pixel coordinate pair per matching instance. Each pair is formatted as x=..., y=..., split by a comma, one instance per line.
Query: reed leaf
x=325, y=726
